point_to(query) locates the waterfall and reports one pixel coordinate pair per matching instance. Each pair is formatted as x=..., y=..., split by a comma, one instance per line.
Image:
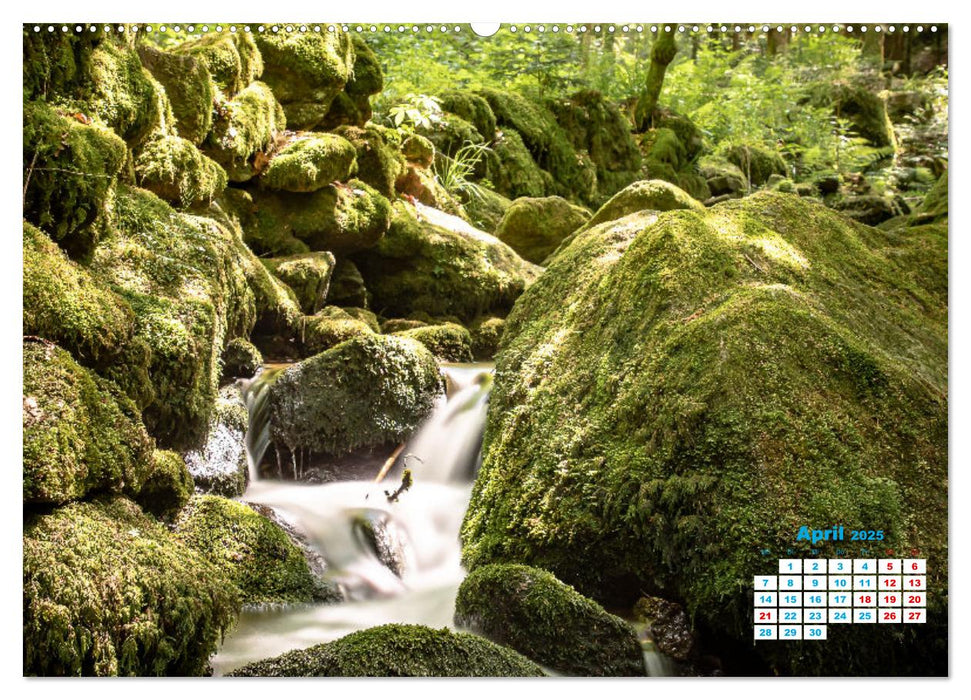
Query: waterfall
x=255, y=392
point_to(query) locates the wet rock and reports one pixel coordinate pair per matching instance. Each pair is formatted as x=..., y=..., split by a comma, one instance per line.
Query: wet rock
x=240, y=359
x=386, y=539
x=308, y=275
x=669, y=626
x=220, y=466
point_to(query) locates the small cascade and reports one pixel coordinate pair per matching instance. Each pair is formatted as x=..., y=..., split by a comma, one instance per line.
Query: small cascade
x=255, y=392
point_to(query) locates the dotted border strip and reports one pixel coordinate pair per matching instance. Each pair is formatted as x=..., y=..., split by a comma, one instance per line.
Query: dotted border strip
x=512, y=28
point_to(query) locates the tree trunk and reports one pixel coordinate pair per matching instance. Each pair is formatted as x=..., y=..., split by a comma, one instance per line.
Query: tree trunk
x=662, y=53
x=873, y=46
x=777, y=41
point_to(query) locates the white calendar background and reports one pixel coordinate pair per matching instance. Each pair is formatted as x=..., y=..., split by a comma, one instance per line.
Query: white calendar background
x=804, y=596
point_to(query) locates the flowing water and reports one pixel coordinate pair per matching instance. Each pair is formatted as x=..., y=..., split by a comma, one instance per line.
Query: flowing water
x=418, y=534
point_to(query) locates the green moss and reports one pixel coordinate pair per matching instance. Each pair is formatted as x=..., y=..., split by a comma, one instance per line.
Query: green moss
x=242, y=128
x=367, y=391
x=366, y=77
x=866, y=110
x=486, y=334
x=368, y=317
x=722, y=177
x=309, y=162
x=306, y=72
x=347, y=286
x=240, y=358
x=56, y=64
x=329, y=327
x=238, y=206
x=188, y=86
x=417, y=149
x=232, y=59
x=704, y=384
x=378, y=160
x=664, y=146
x=485, y=208
x=393, y=325
x=448, y=133
x=422, y=184
x=249, y=549
x=108, y=591
x=529, y=610
x=123, y=94
x=646, y=195
x=934, y=207
x=65, y=303
x=442, y=266
x=167, y=487
x=473, y=109
x=449, y=342
x=687, y=131
x=185, y=279
x=342, y=218
x=517, y=174
x=756, y=162
x=307, y=274
x=535, y=227
x=398, y=651
x=81, y=434
x=69, y=170
x=175, y=170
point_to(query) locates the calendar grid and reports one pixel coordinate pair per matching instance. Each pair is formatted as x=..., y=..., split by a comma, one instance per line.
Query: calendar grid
x=806, y=596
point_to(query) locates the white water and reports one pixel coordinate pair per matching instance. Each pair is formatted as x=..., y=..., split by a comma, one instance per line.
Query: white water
x=423, y=525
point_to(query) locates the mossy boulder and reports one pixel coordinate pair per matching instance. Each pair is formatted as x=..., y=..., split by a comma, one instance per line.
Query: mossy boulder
x=366, y=77
x=242, y=128
x=421, y=184
x=473, y=108
x=935, y=204
x=486, y=333
x=250, y=550
x=67, y=304
x=870, y=209
x=122, y=93
x=751, y=362
x=365, y=392
x=306, y=72
x=529, y=610
x=447, y=133
x=340, y=218
x=240, y=359
x=185, y=279
x=175, y=170
x=863, y=107
x=398, y=651
x=663, y=146
x=309, y=162
x=688, y=133
x=188, y=86
x=365, y=315
x=393, y=325
x=232, y=59
x=308, y=275
x=646, y=195
x=81, y=434
x=417, y=149
x=516, y=174
x=56, y=63
x=347, y=286
x=329, y=327
x=70, y=166
x=108, y=591
x=449, y=342
x=534, y=227
x=723, y=177
x=438, y=264
x=485, y=208
x=221, y=466
x=756, y=162
x=168, y=486
x=379, y=162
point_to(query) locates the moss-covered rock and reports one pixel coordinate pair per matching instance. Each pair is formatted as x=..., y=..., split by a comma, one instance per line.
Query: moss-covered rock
x=309, y=162
x=449, y=342
x=417, y=149
x=516, y=173
x=175, y=170
x=250, y=550
x=486, y=333
x=56, y=63
x=109, y=591
x=366, y=78
x=122, y=93
x=306, y=71
x=232, y=59
x=870, y=209
x=421, y=184
x=544, y=619
x=438, y=264
x=398, y=651
x=756, y=162
x=240, y=359
x=769, y=364
x=646, y=195
x=308, y=275
x=379, y=162
x=688, y=133
x=81, y=434
x=70, y=165
x=365, y=315
x=534, y=227
x=168, y=486
x=447, y=133
x=341, y=218
x=65, y=303
x=220, y=466
x=393, y=325
x=485, y=208
x=329, y=327
x=188, y=86
x=185, y=279
x=722, y=177
x=865, y=109
x=243, y=127
x=935, y=204
x=473, y=108
x=663, y=146
x=347, y=286
x=365, y=392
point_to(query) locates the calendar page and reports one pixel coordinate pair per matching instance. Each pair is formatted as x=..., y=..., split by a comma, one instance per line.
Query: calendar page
x=520, y=349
